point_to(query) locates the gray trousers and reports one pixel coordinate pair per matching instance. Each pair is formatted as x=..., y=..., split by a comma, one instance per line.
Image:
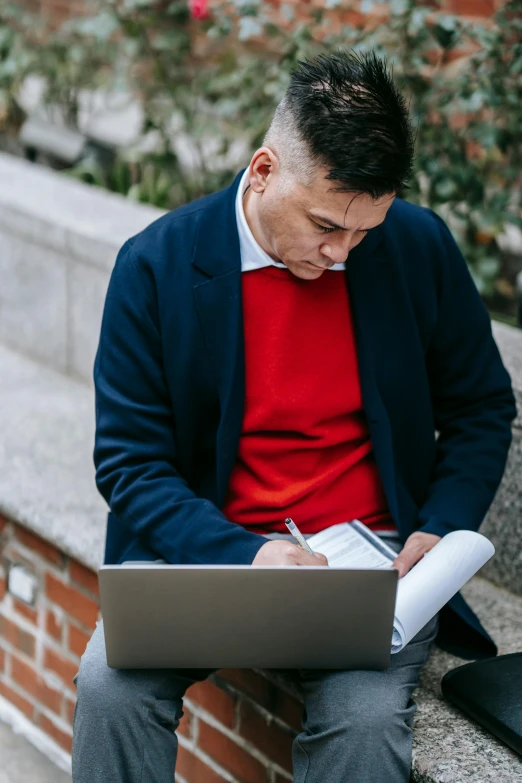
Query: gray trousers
x=357, y=725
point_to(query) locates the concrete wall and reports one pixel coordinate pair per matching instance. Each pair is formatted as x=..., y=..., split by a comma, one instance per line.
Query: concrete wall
x=58, y=242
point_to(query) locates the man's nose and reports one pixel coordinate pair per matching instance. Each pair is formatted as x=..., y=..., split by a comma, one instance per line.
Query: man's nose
x=337, y=252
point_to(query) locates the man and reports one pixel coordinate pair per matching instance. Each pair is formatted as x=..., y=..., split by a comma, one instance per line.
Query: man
x=291, y=346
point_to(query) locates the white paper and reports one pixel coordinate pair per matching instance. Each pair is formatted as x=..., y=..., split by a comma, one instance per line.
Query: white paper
x=343, y=545
x=430, y=584
x=426, y=588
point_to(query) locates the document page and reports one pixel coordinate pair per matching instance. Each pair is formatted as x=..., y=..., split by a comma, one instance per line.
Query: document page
x=347, y=545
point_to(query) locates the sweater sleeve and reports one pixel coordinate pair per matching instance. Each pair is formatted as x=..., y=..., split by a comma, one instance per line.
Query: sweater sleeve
x=472, y=399
x=134, y=450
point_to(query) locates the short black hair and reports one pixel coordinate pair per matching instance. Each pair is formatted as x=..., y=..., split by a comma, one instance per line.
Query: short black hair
x=354, y=120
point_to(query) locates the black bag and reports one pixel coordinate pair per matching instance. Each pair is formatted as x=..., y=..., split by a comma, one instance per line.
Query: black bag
x=490, y=692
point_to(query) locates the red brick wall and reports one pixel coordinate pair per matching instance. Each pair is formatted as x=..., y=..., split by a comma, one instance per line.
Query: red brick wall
x=40, y=645
x=236, y=725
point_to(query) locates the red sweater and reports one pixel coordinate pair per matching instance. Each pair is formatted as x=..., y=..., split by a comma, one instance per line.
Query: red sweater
x=305, y=449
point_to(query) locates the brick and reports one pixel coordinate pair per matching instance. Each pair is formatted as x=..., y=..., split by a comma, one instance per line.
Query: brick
x=186, y=724
x=3, y=523
x=263, y=692
x=25, y=610
x=70, y=704
x=84, y=577
x=75, y=603
x=28, y=679
x=214, y=700
x=3, y=586
x=289, y=710
x=2, y=660
x=53, y=625
x=249, y=683
x=37, y=544
x=63, y=667
x=193, y=769
x=77, y=640
x=22, y=704
x=230, y=756
x=15, y=635
x=62, y=738
x=267, y=737
x=13, y=555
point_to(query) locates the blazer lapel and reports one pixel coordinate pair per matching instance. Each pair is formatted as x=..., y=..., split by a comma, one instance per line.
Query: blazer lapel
x=368, y=277
x=218, y=300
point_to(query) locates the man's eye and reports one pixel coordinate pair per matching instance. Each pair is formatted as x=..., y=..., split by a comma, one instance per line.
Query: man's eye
x=326, y=230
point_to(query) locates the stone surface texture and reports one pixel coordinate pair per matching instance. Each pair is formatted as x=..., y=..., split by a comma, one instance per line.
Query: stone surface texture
x=508, y=341
x=46, y=466
x=448, y=747
x=503, y=524
x=58, y=242
x=21, y=762
x=33, y=296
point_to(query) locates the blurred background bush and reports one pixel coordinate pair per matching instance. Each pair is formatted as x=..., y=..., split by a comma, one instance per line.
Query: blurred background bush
x=164, y=101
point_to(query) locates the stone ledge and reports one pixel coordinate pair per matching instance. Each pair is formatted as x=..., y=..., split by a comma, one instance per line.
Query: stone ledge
x=46, y=466
x=448, y=747
x=509, y=342
x=53, y=210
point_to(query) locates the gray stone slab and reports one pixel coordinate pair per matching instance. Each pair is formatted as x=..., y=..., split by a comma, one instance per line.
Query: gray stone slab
x=509, y=341
x=79, y=220
x=503, y=524
x=87, y=289
x=448, y=747
x=23, y=763
x=33, y=316
x=46, y=467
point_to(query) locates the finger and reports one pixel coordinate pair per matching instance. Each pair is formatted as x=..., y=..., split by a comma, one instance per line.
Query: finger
x=305, y=558
x=405, y=561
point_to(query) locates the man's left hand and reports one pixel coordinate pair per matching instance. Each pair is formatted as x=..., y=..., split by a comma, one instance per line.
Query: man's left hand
x=414, y=549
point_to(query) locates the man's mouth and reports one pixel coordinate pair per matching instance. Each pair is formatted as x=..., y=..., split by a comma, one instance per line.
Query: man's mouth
x=324, y=268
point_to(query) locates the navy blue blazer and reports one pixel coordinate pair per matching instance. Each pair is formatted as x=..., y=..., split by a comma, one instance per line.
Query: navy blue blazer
x=169, y=383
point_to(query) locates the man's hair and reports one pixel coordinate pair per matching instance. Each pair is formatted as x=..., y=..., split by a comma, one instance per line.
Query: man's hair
x=343, y=112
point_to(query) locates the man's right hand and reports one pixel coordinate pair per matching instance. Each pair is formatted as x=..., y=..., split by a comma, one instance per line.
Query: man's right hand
x=285, y=553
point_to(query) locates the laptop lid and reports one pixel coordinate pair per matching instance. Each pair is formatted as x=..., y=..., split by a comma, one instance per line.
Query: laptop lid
x=239, y=616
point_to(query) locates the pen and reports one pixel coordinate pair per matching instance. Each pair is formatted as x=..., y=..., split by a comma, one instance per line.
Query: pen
x=298, y=535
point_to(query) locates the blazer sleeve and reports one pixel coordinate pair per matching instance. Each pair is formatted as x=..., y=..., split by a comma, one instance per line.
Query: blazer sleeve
x=472, y=398
x=134, y=449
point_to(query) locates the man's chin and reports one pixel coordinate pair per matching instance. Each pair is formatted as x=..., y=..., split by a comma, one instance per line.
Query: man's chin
x=305, y=270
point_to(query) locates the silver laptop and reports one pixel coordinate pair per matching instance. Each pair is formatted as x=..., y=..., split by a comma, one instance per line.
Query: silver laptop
x=159, y=615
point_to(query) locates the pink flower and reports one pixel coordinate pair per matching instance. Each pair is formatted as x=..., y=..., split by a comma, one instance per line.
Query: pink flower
x=199, y=9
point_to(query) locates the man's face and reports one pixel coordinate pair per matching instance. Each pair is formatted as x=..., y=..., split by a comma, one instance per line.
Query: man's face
x=309, y=229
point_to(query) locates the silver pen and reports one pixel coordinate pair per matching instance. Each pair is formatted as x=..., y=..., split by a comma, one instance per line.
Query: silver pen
x=298, y=535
